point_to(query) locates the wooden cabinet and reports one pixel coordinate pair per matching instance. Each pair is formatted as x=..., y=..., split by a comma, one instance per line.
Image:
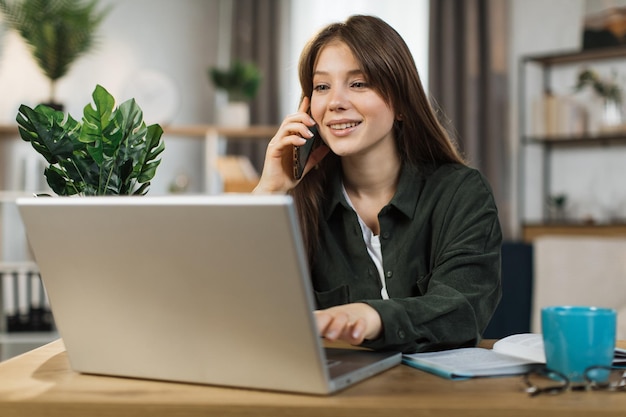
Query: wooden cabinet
x=538, y=75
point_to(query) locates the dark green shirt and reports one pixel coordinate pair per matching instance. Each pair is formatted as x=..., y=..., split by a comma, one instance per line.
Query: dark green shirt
x=440, y=239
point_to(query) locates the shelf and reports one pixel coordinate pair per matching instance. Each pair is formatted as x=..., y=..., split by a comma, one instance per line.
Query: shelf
x=14, y=344
x=608, y=139
x=8, y=131
x=265, y=132
x=573, y=57
x=28, y=337
x=530, y=231
x=540, y=186
x=8, y=196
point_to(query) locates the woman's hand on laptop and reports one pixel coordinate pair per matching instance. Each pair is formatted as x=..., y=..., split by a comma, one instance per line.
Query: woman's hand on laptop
x=352, y=323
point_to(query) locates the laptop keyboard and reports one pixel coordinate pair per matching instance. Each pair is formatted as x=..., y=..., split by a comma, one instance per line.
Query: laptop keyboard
x=332, y=362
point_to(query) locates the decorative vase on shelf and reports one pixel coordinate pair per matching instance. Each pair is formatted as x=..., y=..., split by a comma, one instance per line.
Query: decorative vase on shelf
x=557, y=208
x=612, y=115
x=234, y=114
x=241, y=83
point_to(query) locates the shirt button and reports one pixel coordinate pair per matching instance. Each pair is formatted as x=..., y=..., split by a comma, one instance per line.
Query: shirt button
x=386, y=235
x=389, y=274
x=370, y=272
x=401, y=334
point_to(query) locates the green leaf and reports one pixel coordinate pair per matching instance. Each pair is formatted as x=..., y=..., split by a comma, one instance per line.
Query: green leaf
x=148, y=171
x=143, y=189
x=95, y=121
x=56, y=180
x=48, y=133
x=155, y=147
x=126, y=169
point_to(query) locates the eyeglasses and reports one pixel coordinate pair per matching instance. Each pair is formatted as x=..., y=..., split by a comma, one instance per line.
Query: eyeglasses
x=546, y=381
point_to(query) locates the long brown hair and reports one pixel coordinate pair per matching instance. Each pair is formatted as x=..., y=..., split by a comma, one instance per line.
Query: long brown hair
x=390, y=70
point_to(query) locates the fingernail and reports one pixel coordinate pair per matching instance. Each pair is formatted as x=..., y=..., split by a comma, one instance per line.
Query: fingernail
x=310, y=133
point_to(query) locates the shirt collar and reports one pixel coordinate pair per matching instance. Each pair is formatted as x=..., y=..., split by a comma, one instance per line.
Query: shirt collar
x=409, y=189
x=410, y=185
x=335, y=198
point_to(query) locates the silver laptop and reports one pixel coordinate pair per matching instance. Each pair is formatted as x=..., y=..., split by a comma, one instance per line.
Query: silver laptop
x=200, y=289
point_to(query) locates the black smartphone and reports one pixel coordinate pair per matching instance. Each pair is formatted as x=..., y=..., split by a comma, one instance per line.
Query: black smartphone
x=301, y=153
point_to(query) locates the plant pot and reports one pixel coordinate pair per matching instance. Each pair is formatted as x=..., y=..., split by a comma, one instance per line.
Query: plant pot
x=612, y=116
x=56, y=106
x=234, y=114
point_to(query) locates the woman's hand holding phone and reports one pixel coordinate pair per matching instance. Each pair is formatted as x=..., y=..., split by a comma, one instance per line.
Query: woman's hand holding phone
x=302, y=153
x=278, y=168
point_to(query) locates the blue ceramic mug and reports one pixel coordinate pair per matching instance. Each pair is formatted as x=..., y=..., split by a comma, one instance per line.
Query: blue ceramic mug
x=578, y=337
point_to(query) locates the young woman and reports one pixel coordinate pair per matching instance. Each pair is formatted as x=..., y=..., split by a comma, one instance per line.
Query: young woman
x=403, y=237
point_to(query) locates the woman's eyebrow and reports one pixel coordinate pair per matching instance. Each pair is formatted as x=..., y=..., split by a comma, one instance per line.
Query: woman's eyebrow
x=351, y=72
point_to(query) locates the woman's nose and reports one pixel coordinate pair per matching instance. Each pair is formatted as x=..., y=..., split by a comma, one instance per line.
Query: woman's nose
x=338, y=99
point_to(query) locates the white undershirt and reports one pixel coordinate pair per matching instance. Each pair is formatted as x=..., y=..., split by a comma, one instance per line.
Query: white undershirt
x=372, y=242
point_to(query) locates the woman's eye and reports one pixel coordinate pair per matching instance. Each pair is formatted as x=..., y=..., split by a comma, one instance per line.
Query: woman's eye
x=320, y=87
x=359, y=84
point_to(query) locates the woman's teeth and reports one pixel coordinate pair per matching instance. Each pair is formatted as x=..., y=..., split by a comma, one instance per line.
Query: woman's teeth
x=341, y=126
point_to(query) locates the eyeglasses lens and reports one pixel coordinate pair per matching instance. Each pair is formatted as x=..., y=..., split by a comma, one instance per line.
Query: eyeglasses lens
x=545, y=381
x=606, y=378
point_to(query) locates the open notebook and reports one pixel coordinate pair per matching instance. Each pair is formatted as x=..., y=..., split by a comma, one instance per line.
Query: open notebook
x=199, y=289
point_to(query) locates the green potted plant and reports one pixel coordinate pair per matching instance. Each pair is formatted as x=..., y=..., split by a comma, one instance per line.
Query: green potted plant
x=612, y=115
x=56, y=31
x=608, y=89
x=241, y=83
x=110, y=152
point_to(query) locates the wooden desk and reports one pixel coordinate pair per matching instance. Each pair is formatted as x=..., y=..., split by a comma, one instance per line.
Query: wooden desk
x=40, y=383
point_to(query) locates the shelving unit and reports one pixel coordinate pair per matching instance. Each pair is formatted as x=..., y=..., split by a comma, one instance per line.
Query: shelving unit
x=13, y=343
x=549, y=144
x=25, y=319
x=28, y=324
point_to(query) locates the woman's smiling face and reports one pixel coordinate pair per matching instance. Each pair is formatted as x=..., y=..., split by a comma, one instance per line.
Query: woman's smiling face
x=352, y=117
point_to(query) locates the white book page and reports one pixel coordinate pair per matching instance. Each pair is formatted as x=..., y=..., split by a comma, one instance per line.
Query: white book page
x=469, y=362
x=474, y=359
x=528, y=346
